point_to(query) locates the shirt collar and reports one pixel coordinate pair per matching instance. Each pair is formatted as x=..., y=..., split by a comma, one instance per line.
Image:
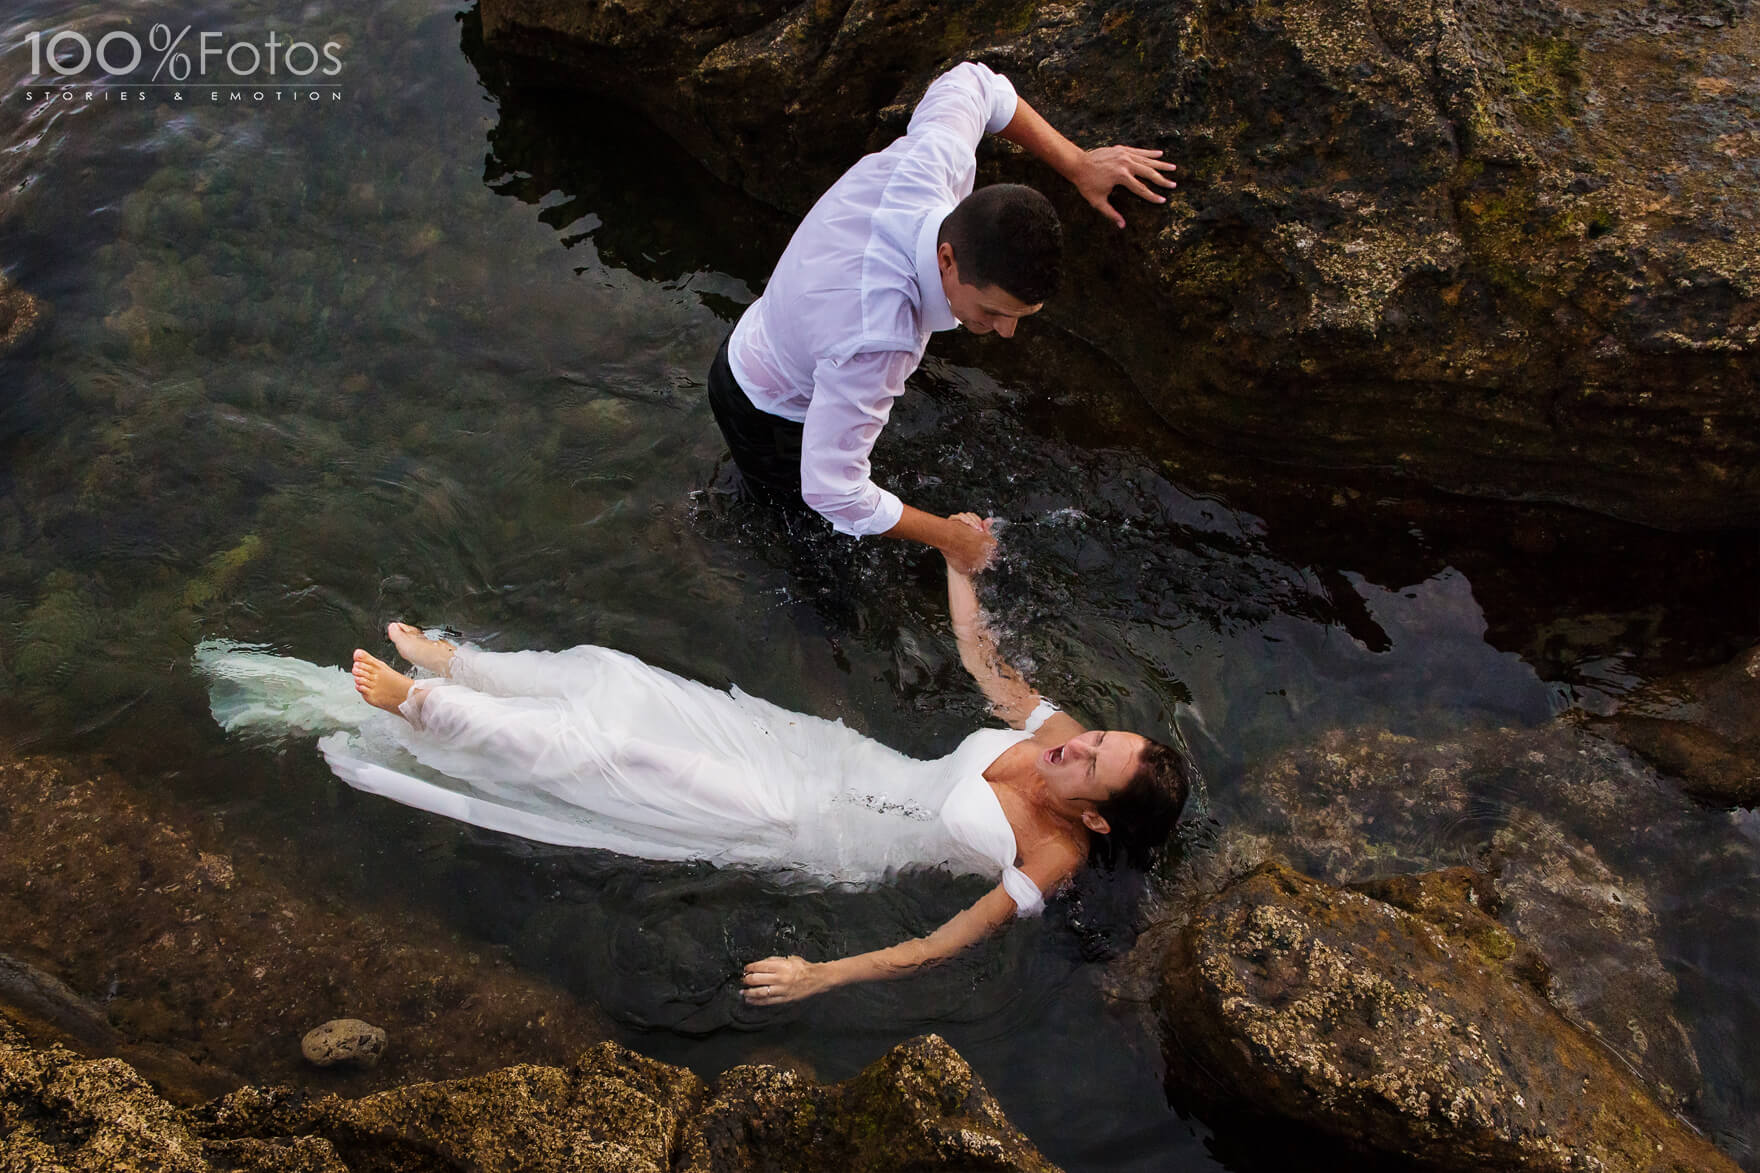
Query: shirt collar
x=937, y=312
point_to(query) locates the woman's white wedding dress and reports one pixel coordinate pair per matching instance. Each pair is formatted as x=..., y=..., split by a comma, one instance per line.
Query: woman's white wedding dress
x=595, y=748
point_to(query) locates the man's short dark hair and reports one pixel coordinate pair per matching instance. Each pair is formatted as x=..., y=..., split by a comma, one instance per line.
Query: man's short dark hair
x=1007, y=235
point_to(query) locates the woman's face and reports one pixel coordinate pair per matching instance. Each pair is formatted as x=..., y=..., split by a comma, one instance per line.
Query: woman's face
x=1091, y=767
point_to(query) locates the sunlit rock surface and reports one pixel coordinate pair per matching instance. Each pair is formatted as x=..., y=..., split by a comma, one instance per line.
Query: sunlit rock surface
x=1508, y=248
x=611, y=1111
x=1410, y=1024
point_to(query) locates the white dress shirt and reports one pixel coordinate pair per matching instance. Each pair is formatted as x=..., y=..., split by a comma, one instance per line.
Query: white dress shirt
x=850, y=307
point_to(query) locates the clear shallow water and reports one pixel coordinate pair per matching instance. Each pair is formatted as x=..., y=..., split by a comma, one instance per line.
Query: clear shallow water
x=435, y=352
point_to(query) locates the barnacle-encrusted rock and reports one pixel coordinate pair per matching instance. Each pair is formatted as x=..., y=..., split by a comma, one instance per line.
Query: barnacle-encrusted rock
x=1415, y=1030
x=1511, y=247
x=612, y=1111
x=58, y=1111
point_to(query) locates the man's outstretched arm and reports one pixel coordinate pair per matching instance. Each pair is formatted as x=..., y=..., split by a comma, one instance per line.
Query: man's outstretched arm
x=1095, y=173
x=966, y=549
x=851, y=402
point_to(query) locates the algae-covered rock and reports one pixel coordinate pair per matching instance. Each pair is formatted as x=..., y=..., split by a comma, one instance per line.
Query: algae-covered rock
x=1701, y=728
x=54, y=1012
x=1509, y=247
x=1419, y=1034
x=918, y=1107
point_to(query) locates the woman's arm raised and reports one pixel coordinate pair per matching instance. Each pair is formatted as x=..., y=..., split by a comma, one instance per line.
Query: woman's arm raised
x=1011, y=697
x=776, y=980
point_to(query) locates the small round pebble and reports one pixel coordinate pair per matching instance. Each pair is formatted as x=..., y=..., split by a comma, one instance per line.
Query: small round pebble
x=343, y=1040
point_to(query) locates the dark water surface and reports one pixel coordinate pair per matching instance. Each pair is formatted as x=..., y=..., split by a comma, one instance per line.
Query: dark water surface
x=436, y=351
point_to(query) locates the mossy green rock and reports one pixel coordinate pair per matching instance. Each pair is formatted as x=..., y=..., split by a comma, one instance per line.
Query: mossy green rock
x=1509, y=247
x=1416, y=1031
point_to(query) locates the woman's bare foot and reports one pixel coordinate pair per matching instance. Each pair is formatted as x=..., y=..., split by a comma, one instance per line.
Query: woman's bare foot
x=433, y=654
x=381, y=685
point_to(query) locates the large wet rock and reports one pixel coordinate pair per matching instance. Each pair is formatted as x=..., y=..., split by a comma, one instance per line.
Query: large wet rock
x=1420, y=1031
x=612, y=1111
x=1638, y=902
x=1701, y=728
x=1506, y=246
x=1583, y=842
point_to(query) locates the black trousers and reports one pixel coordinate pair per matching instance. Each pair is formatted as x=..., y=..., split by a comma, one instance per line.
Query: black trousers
x=767, y=448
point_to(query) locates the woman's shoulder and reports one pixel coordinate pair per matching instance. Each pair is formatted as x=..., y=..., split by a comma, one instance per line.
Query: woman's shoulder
x=991, y=739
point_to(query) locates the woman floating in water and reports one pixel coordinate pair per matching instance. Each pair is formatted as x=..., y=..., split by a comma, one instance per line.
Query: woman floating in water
x=594, y=748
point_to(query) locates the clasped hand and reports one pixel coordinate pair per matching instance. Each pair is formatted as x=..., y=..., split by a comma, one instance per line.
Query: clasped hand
x=1104, y=168
x=974, y=553
x=970, y=546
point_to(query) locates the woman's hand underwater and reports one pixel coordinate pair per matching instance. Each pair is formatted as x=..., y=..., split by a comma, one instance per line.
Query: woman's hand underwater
x=776, y=980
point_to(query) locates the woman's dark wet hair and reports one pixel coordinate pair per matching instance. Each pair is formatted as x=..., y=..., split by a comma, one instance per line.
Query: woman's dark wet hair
x=1007, y=235
x=1143, y=811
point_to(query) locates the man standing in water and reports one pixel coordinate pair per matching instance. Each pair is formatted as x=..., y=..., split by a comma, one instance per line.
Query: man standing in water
x=899, y=247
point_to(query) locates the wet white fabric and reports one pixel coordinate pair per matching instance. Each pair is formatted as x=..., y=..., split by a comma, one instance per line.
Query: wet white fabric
x=594, y=748
x=1041, y=713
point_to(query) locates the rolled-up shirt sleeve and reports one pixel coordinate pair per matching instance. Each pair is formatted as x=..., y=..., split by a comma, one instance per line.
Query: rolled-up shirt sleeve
x=971, y=100
x=852, y=399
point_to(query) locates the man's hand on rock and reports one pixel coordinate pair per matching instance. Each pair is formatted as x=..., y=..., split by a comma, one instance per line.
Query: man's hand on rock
x=1104, y=168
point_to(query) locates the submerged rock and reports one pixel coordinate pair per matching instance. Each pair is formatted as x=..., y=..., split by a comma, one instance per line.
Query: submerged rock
x=1419, y=1031
x=1509, y=247
x=612, y=1111
x=54, y=1012
x=19, y=314
x=343, y=1041
x=1700, y=728
x=212, y=954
